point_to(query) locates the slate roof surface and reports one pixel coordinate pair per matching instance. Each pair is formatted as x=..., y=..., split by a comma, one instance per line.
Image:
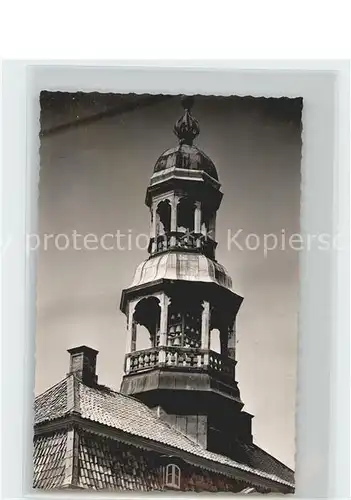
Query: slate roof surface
x=49, y=460
x=127, y=414
x=108, y=464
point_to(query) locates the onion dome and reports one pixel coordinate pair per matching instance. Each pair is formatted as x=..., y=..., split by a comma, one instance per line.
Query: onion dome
x=187, y=127
x=186, y=155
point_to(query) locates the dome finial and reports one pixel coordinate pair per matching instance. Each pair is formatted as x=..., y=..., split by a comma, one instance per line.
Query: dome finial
x=187, y=127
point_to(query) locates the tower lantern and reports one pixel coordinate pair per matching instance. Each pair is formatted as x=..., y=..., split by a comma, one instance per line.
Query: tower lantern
x=179, y=296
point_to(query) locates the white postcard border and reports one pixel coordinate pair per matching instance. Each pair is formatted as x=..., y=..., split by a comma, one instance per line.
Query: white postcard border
x=323, y=418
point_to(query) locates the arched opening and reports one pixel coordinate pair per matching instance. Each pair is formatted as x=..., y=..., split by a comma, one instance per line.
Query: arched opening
x=163, y=213
x=208, y=223
x=185, y=215
x=147, y=318
x=142, y=340
x=215, y=340
x=218, y=330
x=205, y=220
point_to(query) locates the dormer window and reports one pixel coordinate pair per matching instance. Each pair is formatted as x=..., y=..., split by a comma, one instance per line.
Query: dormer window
x=172, y=476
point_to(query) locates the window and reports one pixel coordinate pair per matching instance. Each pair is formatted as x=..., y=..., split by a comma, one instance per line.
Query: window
x=172, y=476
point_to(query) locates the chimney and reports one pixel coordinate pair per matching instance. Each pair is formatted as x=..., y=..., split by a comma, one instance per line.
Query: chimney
x=83, y=364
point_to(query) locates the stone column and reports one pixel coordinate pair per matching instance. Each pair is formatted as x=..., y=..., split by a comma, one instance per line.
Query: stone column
x=131, y=334
x=154, y=227
x=205, y=326
x=197, y=217
x=164, y=303
x=205, y=330
x=134, y=336
x=174, y=205
x=131, y=328
x=197, y=223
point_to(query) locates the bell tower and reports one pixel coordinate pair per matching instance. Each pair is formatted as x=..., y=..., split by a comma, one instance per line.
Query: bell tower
x=181, y=296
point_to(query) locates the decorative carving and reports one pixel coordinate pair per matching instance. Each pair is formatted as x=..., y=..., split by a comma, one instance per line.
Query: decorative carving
x=187, y=127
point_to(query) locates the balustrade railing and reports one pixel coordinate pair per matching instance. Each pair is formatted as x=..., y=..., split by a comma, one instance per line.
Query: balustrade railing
x=142, y=360
x=172, y=357
x=177, y=240
x=183, y=358
x=182, y=240
x=222, y=364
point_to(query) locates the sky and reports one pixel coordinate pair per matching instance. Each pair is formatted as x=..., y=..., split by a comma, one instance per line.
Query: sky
x=93, y=179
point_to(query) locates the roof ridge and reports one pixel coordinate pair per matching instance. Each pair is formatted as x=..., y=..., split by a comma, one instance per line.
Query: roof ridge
x=96, y=387
x=73, y=396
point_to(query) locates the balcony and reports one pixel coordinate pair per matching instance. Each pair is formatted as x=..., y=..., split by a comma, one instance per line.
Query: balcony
x=198, y=360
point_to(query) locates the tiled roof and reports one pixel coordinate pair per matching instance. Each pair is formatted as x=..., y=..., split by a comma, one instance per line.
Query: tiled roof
x=105, y=463
x=52, y=403
x=127, y=414
x=49, y=460
x=109, y=464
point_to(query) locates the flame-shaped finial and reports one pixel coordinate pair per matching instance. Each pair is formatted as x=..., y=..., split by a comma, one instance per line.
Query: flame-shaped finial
x=187, y=127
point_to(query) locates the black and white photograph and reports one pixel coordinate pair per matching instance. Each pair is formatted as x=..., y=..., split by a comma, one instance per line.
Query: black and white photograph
x=167, y=292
